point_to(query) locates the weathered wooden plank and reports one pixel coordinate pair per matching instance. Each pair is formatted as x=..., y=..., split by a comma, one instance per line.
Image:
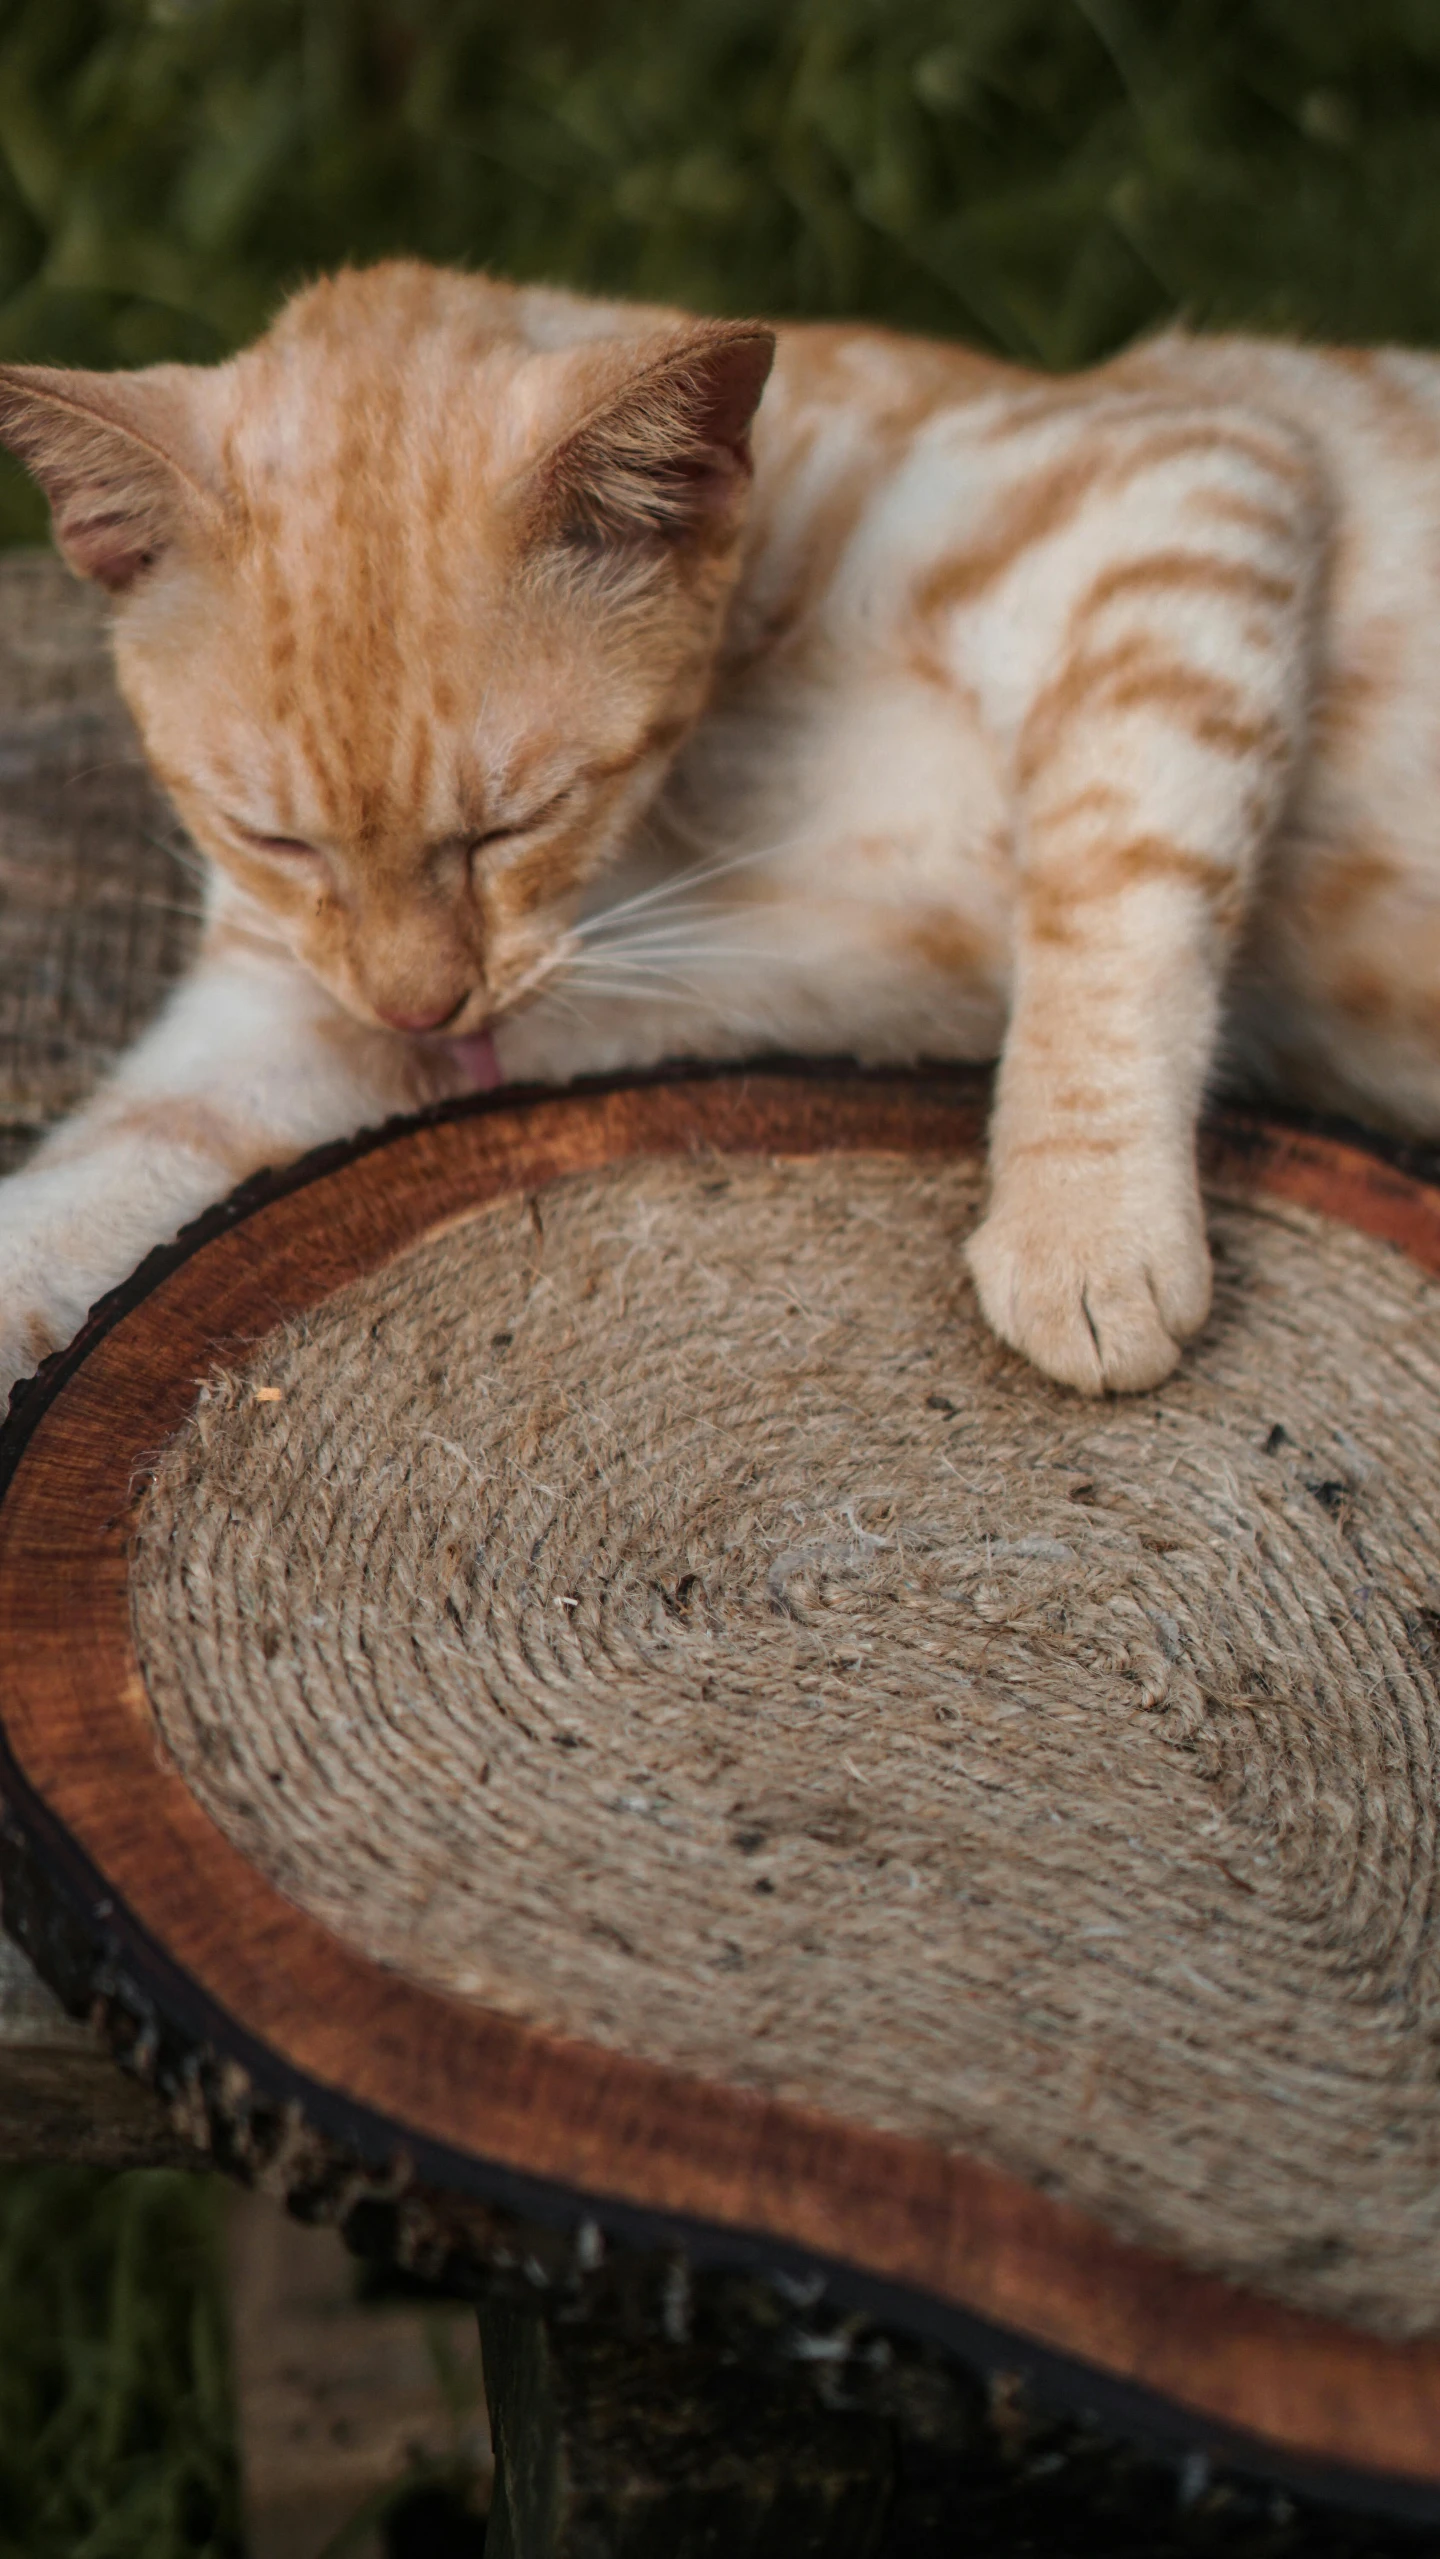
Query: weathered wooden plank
x=61, y=2096
x=97, y=910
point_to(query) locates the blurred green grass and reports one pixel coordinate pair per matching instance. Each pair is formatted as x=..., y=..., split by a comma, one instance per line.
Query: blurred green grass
x=1043, y=176
x=116, y=2426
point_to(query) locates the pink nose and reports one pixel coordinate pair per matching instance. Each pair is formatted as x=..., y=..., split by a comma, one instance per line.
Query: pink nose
x=418, y=1021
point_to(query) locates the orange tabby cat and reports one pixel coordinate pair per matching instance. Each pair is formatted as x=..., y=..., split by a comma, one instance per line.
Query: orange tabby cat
x=536, y=718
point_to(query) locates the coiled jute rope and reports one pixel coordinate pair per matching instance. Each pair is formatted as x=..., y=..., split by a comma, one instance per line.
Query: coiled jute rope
x=658, y=1610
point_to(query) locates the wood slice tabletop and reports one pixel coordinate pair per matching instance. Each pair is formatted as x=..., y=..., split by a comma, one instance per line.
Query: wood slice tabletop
x=494, y=2104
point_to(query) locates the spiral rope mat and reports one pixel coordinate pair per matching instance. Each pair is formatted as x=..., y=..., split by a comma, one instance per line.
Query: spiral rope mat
x=655, y=1609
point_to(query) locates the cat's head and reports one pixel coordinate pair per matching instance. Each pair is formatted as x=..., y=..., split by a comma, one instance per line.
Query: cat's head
x=414, y=601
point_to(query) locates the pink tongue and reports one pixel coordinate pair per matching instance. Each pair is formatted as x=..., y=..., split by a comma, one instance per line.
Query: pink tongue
x=479, y=1061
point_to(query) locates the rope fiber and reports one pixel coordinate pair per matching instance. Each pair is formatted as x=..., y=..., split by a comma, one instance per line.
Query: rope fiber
x=658, y=1610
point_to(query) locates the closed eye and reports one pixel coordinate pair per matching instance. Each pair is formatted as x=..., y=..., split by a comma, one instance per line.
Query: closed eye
x=513, y=828
x=288, y=847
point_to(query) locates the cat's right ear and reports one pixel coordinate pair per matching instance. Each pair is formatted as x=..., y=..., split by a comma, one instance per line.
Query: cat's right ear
x=114, y=454
x=663, y=452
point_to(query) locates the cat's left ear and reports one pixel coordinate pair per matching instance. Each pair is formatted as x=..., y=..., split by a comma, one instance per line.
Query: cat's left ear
x=664, y=453
x=115, y=454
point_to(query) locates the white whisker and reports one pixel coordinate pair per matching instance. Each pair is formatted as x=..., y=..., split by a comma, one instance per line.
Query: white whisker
x=675, y=923
x=630, y=982
x=88, y=772
x=636, y=990
x=167, y=906
x=548, y=994
x=592, y=996
x=681, y=885
x=181, y=852
x=697, y=954
x=678, y=935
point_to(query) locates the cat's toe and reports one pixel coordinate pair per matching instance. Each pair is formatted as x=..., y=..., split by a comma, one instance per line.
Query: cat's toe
x=1103, y=1311
x=1181, y=1281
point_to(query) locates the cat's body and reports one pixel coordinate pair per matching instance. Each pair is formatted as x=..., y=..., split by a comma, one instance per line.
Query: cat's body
x=1089, y=721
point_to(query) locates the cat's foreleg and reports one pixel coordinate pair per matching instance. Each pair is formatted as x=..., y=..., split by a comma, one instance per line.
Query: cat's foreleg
x=1151, y=767
x=250, y=1064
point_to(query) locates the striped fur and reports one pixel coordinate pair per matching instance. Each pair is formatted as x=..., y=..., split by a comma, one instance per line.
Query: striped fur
x=538, y=715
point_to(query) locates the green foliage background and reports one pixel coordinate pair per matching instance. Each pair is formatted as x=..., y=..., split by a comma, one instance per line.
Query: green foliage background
x=1044, y=176
x=116, y=2427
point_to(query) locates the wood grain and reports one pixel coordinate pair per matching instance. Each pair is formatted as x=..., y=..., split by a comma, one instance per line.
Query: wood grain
x=487, y=2094
x=97, y=913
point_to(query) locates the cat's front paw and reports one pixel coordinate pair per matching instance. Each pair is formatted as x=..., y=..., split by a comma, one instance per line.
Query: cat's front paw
x=1097, y=1287
x=43, y=1297
x=27, y=1336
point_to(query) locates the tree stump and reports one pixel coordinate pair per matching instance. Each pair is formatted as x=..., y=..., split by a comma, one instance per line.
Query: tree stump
x=611, y=2444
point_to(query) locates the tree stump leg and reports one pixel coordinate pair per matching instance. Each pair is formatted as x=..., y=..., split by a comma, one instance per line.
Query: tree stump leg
x=609, y=2447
